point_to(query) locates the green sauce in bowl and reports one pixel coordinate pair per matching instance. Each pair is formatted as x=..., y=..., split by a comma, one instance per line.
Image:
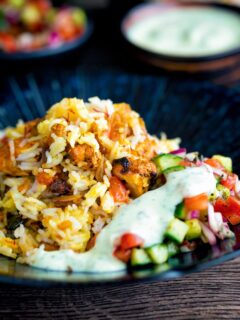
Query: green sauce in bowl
x=187, y=32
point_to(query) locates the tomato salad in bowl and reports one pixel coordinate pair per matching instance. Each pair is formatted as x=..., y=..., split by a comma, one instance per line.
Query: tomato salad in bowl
x=28, y=26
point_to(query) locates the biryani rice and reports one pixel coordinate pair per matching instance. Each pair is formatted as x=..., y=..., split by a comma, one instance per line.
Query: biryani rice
x=55, y=180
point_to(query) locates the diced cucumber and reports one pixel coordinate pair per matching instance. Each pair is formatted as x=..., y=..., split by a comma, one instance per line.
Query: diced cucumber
x=173, y=169
x=79, y=17
x=139, y=257
x=173, y=249
x=194, y=229
x=180, y=211
x=218, y=179
x=165, y=161
x=225, y=192
x=225, y=161
x=158, y=253
x=176, y=230
x=162, y=267
x=213, y=196
x=16, y=3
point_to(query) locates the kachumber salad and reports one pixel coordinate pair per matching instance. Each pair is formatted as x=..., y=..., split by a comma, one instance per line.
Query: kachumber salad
x=86, y=188
x=32, y=25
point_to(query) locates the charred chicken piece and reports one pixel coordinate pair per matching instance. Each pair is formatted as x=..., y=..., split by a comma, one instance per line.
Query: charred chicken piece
x=137, y=173
x=60, y=187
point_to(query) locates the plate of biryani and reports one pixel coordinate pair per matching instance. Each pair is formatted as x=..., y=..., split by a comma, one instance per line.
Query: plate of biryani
x=87, y=194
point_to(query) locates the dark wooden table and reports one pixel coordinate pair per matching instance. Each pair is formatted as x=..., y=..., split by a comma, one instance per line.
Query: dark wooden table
x=212, y=294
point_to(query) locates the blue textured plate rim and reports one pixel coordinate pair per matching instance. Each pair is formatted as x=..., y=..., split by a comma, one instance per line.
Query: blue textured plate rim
x=128, y=278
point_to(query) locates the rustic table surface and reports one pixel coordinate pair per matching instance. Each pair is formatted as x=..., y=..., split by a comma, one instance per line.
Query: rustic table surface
x=212, y=294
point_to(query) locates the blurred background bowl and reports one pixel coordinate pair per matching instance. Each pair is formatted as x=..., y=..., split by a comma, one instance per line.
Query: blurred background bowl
x=208, y=64
x=59, y=50
x=50, y=52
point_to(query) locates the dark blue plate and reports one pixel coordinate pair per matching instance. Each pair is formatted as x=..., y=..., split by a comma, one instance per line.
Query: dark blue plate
x=50, y=52
x=206, y=117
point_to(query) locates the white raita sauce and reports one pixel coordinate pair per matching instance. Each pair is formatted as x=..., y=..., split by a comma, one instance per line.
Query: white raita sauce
x=147, y=216
x=187, y=32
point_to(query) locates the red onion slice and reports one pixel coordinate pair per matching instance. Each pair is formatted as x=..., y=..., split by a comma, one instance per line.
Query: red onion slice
x=194, y=214
x=219, y=173
x=179, y=152
x=217, y=225
x=208, y=234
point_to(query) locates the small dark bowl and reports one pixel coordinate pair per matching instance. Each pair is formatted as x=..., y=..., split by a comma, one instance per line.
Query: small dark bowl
x=208, y=64
x=50, y=52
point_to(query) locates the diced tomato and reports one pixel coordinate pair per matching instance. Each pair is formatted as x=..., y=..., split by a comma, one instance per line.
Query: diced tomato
x=130, y=240
x=230, y=209
x=123, y=255
x=65, y=25
x=43, y=5
x=233, y=218
x=118, y=190
x=215, y=164
x=187, y=163
x=221, y=205
x=8, y=42
x=199, y=202
x=230, y=182
x=44, y=178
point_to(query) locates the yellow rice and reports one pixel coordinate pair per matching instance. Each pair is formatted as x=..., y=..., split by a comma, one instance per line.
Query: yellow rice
x=111, y=131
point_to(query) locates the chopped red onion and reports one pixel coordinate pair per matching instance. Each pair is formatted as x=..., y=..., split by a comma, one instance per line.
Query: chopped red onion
x=216, y=251
x=12, y=16
x=54, y=39
x=208, y=234
x=216, y=224
x=237, y=186
x=194, y=214
x=219, y=173
x=213, y=222
x=179, y=152
x=224, y=219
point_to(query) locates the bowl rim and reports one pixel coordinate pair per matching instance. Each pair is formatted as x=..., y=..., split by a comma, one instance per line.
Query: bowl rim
x=52, y=51
x=137, y=276
x=176, y=58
